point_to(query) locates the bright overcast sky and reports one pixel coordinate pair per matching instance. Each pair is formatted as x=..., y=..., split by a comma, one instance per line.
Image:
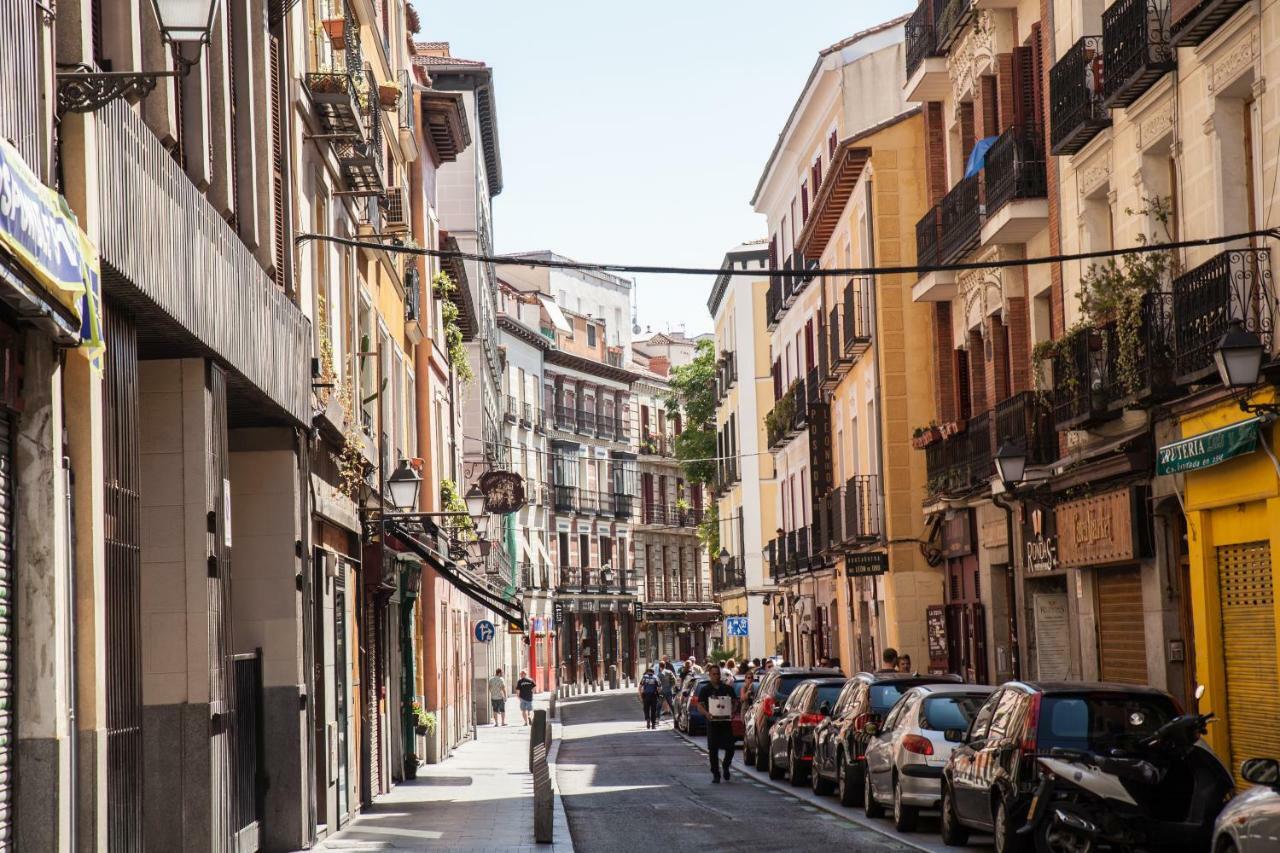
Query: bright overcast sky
x=635, y=133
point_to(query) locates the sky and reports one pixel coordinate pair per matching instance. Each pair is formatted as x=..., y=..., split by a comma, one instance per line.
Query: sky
x=636, y=133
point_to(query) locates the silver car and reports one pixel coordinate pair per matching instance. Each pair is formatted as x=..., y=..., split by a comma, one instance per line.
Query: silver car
x=906, y=756
x=1251, y=822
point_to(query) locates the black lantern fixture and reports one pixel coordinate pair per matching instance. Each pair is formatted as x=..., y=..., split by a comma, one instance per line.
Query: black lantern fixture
x=724, y=557
x=404, y=484
x=181, y=22
x=1239, y=357
x=1011, y=465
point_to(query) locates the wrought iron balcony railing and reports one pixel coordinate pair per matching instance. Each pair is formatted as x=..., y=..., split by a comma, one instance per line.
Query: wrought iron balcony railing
x=961, y=461
x=859, y=504
x=732, y=576
x=566, y=418
x=929, y=237
x=566, y=498
x=961, y=219
x=1137, y=53
x=1076, y=109
x=586, y=421
x=921, y=35
x=1014, y=169
x=1233, y=285
x=669, y=515
x=623, y=505
x=1083, y=375
x=859, y=316
x=1025, y=422
x=773, y=301
x=1193, y=21
x=951, y=20
x=509, y=412
x=526, y=414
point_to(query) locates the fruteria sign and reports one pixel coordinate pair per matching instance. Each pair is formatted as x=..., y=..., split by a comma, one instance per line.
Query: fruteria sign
x=1209, y=448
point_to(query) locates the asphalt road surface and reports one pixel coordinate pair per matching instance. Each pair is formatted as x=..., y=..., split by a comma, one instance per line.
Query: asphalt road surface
x=625, y=789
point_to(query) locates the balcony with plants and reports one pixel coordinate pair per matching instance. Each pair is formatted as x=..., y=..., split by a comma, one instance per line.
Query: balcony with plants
x=962, y=460
x=1136, y=49
x=1024, y=422
x=1077, y=112
x=951, y=18
x=787, y=417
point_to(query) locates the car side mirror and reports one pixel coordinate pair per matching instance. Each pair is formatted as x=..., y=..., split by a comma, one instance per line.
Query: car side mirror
x=953, y=735
x=1261, y=771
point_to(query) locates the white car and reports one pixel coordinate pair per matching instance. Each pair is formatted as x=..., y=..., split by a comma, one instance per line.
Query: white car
x=906, y=755
x=1251, y=822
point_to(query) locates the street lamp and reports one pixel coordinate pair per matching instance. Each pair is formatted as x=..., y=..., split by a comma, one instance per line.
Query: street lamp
x=475, y=501
x=404, y=483
x=1011, y=464
x=1239, y=357
x=180, y=22
x=724, y=557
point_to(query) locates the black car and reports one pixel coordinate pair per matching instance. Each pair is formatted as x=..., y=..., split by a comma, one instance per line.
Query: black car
x=839, y=759
x=765, y=709
x=992, y=774
x=791, y=738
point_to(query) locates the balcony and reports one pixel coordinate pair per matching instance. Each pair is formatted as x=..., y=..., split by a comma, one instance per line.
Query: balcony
x=335, y=103
x=588, y=502
x=623, y=505
x=730, y=577
x=1137, y=53
x=857, y=511
x=566, y=419
x=773, y=302
x=927, y=78
x=566, y=498
x=1233, y=285
x=963, y=461
x=813, y=390
x=933, y=286
x=960, y=217
x=1083, y=380
x=509, y=412
x=792, y=283
x=1025, y=422
x=526, y=415
x=1193, y=21
x=586, y=422
x=667, y=515
x=950, y=21
x=658, y=444
x=1076, y=110
x=1015, y=188
x=360, y=158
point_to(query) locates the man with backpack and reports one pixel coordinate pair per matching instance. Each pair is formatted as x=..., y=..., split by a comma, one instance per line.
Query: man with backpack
x=649, y=688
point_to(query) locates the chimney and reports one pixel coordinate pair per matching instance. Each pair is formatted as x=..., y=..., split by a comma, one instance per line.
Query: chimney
x=660, y=364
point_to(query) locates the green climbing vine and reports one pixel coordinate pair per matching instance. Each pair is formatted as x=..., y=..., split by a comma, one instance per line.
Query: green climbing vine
x=444, y=288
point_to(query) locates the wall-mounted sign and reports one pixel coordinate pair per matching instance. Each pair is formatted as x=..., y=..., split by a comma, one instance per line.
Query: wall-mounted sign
x=736, y=626
x=935, y=629
x=639, y=611
x=1209, y=448
x=1097, y=530
x=957, y=534
x=1040, y=542
x=1052, y=622
x=503, y=492
x=863, y=564
x=484, y=631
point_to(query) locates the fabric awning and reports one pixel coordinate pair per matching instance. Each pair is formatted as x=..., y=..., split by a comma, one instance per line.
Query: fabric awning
x=473, y=588
x=1209, y=448
x=558, y=319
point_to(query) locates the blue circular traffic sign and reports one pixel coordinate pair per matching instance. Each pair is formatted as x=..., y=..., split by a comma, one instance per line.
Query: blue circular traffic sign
x=484, y=631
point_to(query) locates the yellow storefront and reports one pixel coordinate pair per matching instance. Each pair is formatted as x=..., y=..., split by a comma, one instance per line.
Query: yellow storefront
x=1227, y=459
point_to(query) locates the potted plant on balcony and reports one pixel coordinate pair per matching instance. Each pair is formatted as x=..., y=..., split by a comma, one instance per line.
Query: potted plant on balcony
x=924, y=436
x=336, y=30
x=389, y=93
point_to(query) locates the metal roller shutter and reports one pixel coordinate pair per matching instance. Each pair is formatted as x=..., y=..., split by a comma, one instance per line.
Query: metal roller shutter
x=6, y=630
x=1122, y=639
x=1247, y=595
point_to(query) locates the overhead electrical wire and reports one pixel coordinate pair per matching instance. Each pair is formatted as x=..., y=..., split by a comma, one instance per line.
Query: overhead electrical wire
x=835, y=272
x=490, y=443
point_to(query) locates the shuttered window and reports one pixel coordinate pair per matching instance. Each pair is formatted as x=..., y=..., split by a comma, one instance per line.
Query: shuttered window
x=277, y=166
x=1122, y=644
x=1247, y=595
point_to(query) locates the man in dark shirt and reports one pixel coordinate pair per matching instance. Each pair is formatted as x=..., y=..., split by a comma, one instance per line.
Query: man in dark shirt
x=718, y=702
x=524, y=689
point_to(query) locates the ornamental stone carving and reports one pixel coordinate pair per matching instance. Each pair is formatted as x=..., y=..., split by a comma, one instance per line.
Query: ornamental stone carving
x=1233, y=62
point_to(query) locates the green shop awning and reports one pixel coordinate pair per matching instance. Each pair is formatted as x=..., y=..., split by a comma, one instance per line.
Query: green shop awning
x=1209, y=448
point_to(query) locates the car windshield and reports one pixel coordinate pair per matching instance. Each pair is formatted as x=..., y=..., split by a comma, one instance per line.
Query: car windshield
x=828, y=694
x=951, y=712
x=1100, y=722
x=883, y=697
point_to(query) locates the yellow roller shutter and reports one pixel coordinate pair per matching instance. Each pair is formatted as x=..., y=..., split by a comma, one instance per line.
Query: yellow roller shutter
x=1122, y=636
x=1249, y=643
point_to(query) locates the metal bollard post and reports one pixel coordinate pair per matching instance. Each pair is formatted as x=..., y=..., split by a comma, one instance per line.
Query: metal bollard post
x=538, y=734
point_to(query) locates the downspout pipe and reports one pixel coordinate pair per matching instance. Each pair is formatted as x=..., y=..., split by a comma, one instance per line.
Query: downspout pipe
x=1015, y=656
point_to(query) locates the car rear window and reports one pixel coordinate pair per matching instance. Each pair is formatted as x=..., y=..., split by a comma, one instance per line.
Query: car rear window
x=883, y=697
x=951, y=712
x=1100, y=722
x=829, y=693
x=788, y=683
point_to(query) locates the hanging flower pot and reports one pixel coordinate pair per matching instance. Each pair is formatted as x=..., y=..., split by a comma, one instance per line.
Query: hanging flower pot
x=336, y=29
x=389, y=94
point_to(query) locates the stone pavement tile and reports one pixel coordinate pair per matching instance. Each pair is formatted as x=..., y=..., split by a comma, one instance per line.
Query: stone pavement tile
x=480, y=800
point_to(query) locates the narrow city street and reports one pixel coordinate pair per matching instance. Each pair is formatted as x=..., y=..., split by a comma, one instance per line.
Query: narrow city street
x=626, y=788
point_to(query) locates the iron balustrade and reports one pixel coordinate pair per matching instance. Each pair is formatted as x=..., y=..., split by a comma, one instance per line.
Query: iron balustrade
x=1025, y=422
x=565, y=418
x=1232, y=285
x=1081, y=375
x=773, y=301
x=605, y=427
x=728, y=577
x=1014, y=169
x=526, y=414
x=586, y=421
x=1137, y=53
x=949, y=23
x=1193, y=21
x=929, y=237
x=813, y=389
x=862, y=509
x=978, y=450
x=623, y=505
x=961, y=219
x=360, y=159
x=565, y=498
x=859, y=315
x=336, y=103
x=921, y=35
x=509, y=412
x=963, y=460
x=1076, y=110
x=800, y=409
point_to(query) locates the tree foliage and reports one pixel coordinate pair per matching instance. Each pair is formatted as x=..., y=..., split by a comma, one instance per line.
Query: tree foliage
x=693, y=392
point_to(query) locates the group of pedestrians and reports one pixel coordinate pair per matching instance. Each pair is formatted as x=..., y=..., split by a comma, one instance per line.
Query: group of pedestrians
x=498, y=696
x=657, y=688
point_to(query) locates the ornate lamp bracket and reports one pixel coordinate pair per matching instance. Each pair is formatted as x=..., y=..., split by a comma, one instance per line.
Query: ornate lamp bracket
x=83, y=90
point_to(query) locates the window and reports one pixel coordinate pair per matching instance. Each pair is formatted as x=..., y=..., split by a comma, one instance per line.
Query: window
x=584, y=550
x=950, y=712
x=563, y=548
x=1009, y=715
x=982, y=722
x=591, y=334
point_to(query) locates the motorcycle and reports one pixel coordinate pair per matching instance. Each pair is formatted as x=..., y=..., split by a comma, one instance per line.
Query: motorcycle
x=1162, y=795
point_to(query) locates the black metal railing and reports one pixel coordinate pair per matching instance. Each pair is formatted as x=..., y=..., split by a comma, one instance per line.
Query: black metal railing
x=565, y=498
x=526, y=414
x=799, y=407
x=1082, y=376
x=248, y=771
x=921, y=36
x=1014, y=169
x=1025, y=422
x=1193, y=21
x=564, y=418
x=670, y=515
x=859, y=315
x=1233, y=285
x=586, y=421
x=813, y=388
x=929, y=237
x=1137, y=53
x=773, y=301
x=623, y=505
x=511, y=410
x=961, y=219
x=950, y=22
x=1076, y=109
x=728, y=577
x=861, y=505
x=963, y=460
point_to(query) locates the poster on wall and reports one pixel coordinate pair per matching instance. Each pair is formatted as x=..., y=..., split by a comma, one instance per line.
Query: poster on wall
x=1052, y=621
x=936, y=634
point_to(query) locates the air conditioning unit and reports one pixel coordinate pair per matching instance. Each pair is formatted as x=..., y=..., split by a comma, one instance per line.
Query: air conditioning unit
x=395, y=210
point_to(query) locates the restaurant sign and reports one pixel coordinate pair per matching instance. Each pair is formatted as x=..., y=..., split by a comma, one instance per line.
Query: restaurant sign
x=865, y=564
x=1041, y=544
x=1209, y=448
x=1097, y=530
x=503, y=492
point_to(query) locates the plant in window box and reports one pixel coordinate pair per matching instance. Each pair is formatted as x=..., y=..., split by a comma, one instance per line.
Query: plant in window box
x=336, y=29
x=389, y=93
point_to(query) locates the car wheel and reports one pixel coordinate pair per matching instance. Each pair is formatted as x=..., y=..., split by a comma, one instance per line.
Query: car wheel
x=821, y=786
x=775, y=770
x=953, y=834
x=1006, y=835
x=869, y=804
x=762, y=759
x=748, y=754
x=795, y=768
x=849, y=792
x=904, y=816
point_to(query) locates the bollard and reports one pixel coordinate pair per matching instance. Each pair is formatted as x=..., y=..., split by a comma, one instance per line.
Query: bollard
x=543, y=797
x=554, y=694
x=539, y=733
x=613, y=677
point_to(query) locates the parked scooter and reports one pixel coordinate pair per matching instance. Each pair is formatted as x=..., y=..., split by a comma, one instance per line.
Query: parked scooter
x=1162, y=795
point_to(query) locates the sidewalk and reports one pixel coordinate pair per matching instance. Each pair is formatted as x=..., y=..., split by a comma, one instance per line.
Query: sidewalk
x=480, y=799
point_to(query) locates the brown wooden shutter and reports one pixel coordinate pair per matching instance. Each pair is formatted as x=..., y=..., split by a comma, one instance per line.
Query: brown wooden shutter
x=832, y=144
x=962, y=384
x=1026, y=93
x=277, y=161
x=804, y=202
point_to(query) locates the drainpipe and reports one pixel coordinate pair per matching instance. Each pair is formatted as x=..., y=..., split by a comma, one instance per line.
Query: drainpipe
x=1015, y=656
x=875, y=349
x=73, y=692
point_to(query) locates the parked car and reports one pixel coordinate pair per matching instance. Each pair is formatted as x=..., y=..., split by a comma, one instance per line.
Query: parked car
x=692, y=720
x=841, y=741
x=989, y=779
x=774, y=689
x=791, y=738
x=906, y=755
x=1251, y=822
x=688, y=686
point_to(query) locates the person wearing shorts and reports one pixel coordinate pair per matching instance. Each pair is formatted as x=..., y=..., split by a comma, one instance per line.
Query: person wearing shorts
x=524, y=689
x=498, y=698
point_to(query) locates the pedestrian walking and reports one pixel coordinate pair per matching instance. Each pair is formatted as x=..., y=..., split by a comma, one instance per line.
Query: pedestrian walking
x=718, y=703
x=668, y=678
x=498, y=697
x=890, y=660
x=650, y=690
x=904, y=663
x=524, y=689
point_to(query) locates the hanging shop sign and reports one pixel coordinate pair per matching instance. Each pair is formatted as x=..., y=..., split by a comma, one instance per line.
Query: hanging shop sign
x=1041, y=543
x=503, y=492
x=865, y=564
x=957, y=534
x=1097, y=530
x=1209, y=448
x=557, y=613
